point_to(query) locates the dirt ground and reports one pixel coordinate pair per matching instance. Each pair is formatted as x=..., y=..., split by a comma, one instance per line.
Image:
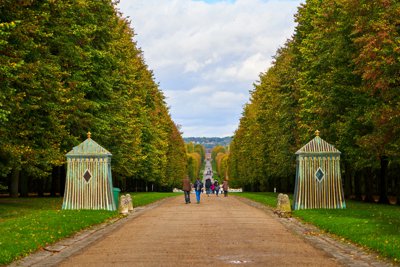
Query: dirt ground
x=217, y=232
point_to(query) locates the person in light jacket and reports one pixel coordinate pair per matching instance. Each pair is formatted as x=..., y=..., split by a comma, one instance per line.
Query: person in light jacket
x=225, y=187
x=186, y=187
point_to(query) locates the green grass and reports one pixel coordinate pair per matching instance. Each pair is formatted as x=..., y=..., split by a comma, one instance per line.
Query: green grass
x=141, y=199
x=265, y=198
x=27, y=224
x=373, y=226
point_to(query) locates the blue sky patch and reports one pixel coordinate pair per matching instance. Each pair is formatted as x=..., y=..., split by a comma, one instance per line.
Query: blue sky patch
x=215, y=1
x=208, y=54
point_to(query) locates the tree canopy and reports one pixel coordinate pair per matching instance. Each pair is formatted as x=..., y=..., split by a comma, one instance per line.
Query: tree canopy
x=339, y=73
x=69, y=67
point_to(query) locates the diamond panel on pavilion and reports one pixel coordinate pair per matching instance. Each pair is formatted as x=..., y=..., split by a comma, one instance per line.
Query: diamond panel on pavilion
x=319, y=174
x=87, y=175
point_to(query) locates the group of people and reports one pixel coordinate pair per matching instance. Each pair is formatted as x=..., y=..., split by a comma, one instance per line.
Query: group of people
x=212, y=187
x=198, y=188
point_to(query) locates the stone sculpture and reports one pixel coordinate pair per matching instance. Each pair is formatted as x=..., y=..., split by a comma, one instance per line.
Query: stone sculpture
x=283, y=208
x=123, y=205
x=129, y=200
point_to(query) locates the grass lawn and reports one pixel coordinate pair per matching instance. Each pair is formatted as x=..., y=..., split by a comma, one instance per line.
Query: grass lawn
x=141, y=199
x=28, y=224
x=373, y=226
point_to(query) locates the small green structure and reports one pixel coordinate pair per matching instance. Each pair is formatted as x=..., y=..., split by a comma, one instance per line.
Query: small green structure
x=318, y=180
x=89, y=182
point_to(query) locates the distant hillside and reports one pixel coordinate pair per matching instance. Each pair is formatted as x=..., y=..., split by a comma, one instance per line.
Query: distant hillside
x=209, y=142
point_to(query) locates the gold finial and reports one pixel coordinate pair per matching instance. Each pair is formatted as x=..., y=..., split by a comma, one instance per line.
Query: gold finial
x=89, y=134
x=316, y=133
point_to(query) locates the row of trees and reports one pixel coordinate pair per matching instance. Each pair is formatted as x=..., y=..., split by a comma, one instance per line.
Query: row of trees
x=195, y=158
x=339, y=73
x=69, y=67
x=219, y=156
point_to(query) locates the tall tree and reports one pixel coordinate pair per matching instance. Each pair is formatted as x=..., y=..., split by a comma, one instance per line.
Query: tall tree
x=69, y=67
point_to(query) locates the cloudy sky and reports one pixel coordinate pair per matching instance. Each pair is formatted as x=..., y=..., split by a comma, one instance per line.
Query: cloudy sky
x=206, y=54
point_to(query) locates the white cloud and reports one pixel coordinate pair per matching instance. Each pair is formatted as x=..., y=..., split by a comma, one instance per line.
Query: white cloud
x=246, y=70
x=210, y=131
x=201, y=90
x=207, y=56
x=204, y=102
x=226, y=100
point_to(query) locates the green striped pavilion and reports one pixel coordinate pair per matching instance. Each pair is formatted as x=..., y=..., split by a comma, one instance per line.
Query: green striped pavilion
x=89, y=182
x=318, y=181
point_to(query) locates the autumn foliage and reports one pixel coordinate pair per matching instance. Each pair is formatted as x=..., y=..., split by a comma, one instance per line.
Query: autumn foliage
x=69, y=67
x=340, y=74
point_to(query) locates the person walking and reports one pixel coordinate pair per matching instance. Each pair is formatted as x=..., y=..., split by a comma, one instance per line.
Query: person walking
x=216, y=187
x=225, y=187
x=208, y=186
x=198, y=186
x=186, y=187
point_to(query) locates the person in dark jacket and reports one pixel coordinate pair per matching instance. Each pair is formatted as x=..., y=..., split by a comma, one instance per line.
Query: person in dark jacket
x=186, y=187
x=208, y=186
x=198, y=187
x=216, y=187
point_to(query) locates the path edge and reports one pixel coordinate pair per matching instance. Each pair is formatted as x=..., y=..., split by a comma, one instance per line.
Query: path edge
x=59, y=251
x=345, y=253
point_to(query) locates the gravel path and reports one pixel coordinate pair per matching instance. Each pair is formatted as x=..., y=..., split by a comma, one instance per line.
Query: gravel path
x=217, y=232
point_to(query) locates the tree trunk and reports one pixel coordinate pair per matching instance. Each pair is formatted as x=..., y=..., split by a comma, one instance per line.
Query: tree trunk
x=357, y=185
x=14, y=183
x=55, y=181
x=40, y=187
x=347, y=181
x=23, y=184
x=398, y=190
x=369, y=184
x=63, y=176
x=383, y=180
x=284, y=185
